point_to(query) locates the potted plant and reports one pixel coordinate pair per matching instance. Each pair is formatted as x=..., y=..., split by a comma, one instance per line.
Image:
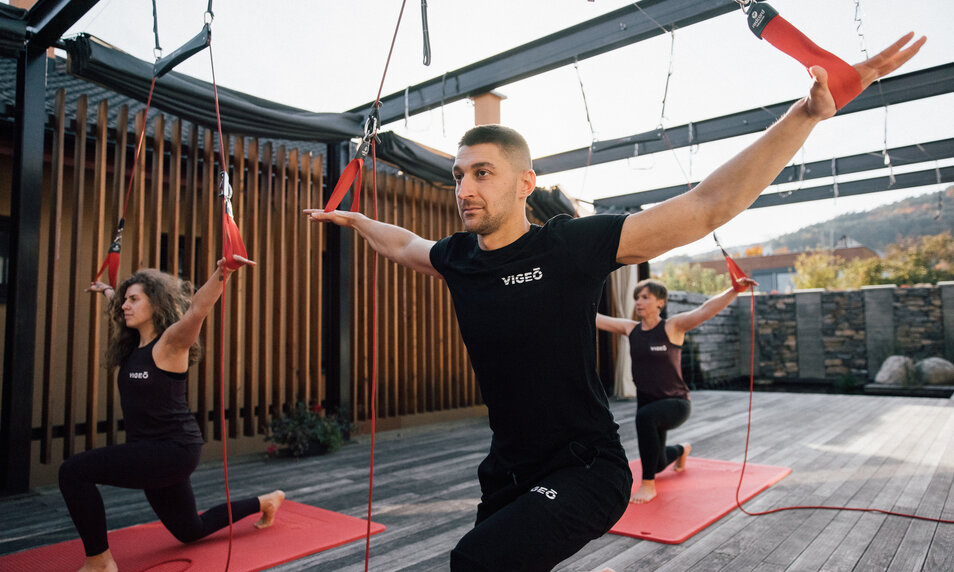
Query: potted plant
x=306, y=430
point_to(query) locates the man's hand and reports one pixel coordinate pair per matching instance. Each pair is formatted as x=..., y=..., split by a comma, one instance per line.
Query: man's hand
x=821, y=105
x=340, y=218
x=890, y=59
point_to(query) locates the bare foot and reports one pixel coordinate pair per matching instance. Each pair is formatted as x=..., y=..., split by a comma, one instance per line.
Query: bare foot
x=645, y=493
x=680, y=465
x=102, y=562
x=269, y=504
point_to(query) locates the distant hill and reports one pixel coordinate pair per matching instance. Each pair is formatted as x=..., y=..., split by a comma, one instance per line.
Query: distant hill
x=876, y=229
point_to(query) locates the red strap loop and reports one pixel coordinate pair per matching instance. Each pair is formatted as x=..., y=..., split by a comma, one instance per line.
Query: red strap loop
x=352, y=173
x=843, y=79
x=737, y=275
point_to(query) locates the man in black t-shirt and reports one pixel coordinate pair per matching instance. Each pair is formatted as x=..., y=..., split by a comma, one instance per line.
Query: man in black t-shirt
x=526, y=297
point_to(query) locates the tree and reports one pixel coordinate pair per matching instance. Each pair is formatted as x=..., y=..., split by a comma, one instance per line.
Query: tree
x=753, y=251
x=693, y=278
x=818, y=269
x=923, y=260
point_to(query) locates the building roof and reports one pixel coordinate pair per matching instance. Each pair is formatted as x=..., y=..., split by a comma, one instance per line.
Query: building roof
x=784, y=262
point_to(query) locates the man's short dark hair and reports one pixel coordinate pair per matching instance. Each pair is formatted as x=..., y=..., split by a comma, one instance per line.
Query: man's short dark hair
x=510, y=142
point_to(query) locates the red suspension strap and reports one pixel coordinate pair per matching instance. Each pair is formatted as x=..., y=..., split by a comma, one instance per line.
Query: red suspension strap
x=352, y=174
x=111, y=262
x=766, y=23
x=232, y=244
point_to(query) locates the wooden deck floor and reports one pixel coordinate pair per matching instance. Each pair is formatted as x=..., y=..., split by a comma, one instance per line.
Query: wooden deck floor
x=892, y=453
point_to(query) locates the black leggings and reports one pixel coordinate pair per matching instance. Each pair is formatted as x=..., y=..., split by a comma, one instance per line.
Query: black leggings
x=161, y=469
x=531, y=523
x=652, y=422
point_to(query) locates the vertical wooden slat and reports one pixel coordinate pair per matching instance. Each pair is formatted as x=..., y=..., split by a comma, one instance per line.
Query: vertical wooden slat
x=137, y=221
x=172, y=218
x=303, y=287
x=207, y=211
x=52, y=280
x=295, y=385
x=113, y=210
x=393, y=286
x=385, y=381
x=280, y=336
x=414, y=308
x=317, y=297
x=433, y=313
x=236, y=294
x=99, y=237
x=253, y=241
x=361, y=331
x=219, y=339
x=155, y=218
x=73, y=340
x=265, y=392
x=190, y=206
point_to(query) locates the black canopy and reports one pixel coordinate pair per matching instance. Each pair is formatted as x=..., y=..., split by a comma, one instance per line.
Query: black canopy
x=178, y=94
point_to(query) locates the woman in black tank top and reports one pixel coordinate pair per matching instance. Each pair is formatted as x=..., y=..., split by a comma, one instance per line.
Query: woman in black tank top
x=156, y=322
x=662, y=395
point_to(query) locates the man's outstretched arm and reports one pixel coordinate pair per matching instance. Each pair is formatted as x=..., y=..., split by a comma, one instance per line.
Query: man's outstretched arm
x=393, y=242
x=734, y=186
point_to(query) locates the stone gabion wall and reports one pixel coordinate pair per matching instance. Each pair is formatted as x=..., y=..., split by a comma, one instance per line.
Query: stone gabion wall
x=919, y=328
x=712, y=353
x=843, y=334
x=775, y=330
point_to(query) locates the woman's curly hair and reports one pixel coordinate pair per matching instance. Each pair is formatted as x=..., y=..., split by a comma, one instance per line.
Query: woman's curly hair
x=169, y=296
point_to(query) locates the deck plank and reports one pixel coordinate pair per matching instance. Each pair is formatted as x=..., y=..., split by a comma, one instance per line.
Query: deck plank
x=863, y=451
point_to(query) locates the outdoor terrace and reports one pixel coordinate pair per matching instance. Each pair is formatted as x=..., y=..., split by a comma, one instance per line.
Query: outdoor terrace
x=892, y=453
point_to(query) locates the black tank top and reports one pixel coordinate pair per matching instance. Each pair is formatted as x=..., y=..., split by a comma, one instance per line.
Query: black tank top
x=657, y=365
x=155, y=406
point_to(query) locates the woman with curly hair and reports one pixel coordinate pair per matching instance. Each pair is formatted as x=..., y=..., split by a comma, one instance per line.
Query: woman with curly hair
x=156, y=321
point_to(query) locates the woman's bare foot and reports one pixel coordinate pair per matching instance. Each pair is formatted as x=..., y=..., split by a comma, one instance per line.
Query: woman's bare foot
x=645, y=493
x=269, y=504
x=102, y=562
x=680, y=465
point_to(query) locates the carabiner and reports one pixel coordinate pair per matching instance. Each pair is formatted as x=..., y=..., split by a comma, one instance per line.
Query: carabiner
x=371, y=125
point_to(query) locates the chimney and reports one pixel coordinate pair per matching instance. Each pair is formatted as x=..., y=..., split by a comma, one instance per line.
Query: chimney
x=487, y=107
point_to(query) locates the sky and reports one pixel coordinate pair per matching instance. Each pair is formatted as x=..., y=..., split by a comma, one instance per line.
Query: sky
x=329, y=55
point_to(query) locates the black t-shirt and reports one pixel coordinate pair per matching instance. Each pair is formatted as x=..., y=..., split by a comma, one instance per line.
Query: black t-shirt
x=155, y=406
x=527, y=315
x=657, y=365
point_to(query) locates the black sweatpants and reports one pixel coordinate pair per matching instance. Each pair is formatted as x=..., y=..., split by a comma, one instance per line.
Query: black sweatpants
x=652, y=422
x=533, y=521
x=161, y=469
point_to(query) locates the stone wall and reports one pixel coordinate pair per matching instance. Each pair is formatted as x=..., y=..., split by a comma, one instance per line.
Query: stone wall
x=709, y=354
x=818, y=335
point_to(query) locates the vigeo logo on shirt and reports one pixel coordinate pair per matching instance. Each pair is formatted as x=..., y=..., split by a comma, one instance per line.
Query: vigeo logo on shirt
x=535, y=274
x=661, y=348
x=549, y=493
x=139, y=375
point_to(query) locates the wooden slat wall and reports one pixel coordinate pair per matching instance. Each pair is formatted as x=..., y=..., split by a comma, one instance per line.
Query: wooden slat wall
x=274, y=311
x=422, y=365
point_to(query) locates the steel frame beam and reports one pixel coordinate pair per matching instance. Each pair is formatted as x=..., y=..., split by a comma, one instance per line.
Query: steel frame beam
x=909, y=155
x=46, y=22
x=605, y=33
x=912, y=86
x=50, y=19
x=850, y=188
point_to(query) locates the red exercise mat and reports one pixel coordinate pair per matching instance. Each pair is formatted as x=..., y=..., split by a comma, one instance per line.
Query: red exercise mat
x=689, y=501
x=299, y=530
